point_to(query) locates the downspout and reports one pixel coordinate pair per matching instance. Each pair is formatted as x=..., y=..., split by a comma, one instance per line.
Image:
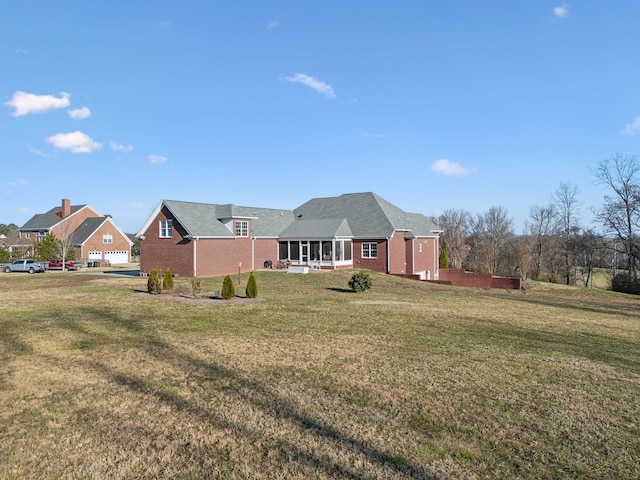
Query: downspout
x=195, y=257
x=389, y=254
x=436, y=260
x=253, y=252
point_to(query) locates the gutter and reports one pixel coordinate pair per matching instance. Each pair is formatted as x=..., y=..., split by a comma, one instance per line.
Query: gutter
x=389, y=254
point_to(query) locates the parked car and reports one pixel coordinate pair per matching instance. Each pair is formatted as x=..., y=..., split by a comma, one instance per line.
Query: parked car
x=57, y=265
x=24, y=265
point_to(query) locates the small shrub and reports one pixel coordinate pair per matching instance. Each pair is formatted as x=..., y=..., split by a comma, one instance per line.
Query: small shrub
x=167, y=280
x=196, y=287
x=154, y=286
x=228, y=290
x=553, y=279
x=252, y=287
x=360, y=281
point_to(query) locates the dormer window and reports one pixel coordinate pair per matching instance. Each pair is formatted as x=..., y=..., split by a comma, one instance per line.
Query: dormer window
x=166, y=228
x=242, y=228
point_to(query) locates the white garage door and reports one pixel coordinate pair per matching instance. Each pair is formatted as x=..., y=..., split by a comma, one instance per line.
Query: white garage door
x=116, y=257
x=95, y=255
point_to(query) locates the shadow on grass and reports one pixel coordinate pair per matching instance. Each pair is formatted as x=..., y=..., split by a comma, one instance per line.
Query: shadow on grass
x=611, y=350
x=340, y=290
x=255, y=394
x=612, y=308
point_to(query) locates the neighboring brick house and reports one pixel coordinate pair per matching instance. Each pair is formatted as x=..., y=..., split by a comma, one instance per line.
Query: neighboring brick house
x=93, y=236
x=357, y=230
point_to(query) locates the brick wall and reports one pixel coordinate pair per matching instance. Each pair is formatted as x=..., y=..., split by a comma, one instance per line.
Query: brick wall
x=176, y=252
x=265, y=249
x=375, y=264
x=96, y=242
x=461, y=278
x=398, y=254
x=222, y=256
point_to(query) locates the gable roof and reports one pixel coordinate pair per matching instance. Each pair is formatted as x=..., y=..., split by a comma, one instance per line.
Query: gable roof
x=90, y=226
x=318, y=229
x=368, y=215
x=48, y=220
x=352, y=215
x=86, y=229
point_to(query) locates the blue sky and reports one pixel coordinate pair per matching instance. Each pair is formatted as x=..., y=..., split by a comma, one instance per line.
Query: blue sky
x=432, y=105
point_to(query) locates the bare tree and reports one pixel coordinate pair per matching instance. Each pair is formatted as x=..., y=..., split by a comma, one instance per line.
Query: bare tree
x=540, y=230
x=620, y=213
x=455, y=230
x=566, y=204
x=490, y=232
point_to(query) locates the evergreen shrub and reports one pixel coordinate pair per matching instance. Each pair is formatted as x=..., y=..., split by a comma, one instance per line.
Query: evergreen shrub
x=360, y=281
x=228, y=290
x=622, y=283
x=252, y=287
x=167, y=280
x=154, y=286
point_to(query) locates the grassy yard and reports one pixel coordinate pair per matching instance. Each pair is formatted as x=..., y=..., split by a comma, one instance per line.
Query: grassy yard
x=408, y=380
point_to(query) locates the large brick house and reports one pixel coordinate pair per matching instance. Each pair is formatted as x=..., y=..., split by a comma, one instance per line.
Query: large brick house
x=356, y=230
x=93, y=236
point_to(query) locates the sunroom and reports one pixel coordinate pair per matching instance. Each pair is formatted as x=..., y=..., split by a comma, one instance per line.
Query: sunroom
x=317, y=243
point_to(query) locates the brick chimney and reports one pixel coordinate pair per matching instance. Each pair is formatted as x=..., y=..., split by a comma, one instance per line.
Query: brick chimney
x=66, y=207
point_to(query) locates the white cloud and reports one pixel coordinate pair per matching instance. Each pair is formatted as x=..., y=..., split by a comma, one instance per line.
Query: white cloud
x=77, y=142
x=451, y=169
x=318, y=85
x=274, y=24
x=26, y=103
x=373, y=135
x=632, y=128
x=79, y=113
x=561, y=11
x=157, y=159
x=120, y=148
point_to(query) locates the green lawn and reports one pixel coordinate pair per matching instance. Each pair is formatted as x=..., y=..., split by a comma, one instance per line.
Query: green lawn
x=408, y=380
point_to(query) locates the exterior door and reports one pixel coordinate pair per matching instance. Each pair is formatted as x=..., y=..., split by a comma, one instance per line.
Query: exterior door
x=304, y=252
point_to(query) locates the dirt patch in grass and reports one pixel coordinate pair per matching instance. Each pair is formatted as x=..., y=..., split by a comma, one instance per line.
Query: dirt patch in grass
x=205, y=298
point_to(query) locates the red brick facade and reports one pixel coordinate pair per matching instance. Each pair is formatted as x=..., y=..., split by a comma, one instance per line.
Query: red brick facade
x=96, y=243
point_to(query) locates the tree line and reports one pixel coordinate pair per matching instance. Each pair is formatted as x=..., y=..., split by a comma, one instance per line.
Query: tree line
x=555, y=246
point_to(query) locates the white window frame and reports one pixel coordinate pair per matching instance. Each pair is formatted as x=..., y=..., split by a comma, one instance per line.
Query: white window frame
x=367, y=250
x=107, y=238
x=242, y=228
x=166, y=228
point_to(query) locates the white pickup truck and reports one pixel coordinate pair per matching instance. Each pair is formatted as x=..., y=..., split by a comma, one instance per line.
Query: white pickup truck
x=24, y=265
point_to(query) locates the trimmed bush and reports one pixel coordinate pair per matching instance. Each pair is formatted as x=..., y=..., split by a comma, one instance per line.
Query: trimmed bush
x=360, y=281
x=167, y=281
x=154, y=286
x=196, y=287
x=228, y=290
x=252, y=287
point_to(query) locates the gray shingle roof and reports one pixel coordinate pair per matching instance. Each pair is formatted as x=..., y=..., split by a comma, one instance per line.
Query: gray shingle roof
x=44, y=221
x=198, y=219
x=318, y=229
x=357, y=215
x=86, y=229
x=368, y=215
